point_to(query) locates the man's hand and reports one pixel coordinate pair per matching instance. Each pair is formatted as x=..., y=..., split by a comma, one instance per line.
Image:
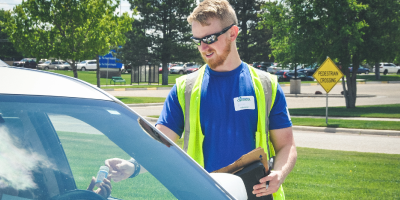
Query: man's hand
x=104, y=188
x=275, y=182
x=285, y=159
x=119, y=169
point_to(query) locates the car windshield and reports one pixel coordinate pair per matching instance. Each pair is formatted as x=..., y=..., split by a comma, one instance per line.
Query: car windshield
x=83, y=62
x=52, y=145
x=47, y=62
x=312, y=66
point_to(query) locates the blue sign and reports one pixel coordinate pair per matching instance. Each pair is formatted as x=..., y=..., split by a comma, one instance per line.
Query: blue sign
x=109, y=61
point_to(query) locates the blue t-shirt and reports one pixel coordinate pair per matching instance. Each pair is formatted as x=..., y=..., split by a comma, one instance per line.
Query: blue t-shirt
x=228, y=134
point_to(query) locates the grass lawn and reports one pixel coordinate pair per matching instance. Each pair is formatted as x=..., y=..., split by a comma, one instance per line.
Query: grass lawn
x=327, y=174
x=90, y=77
x=301, y=82
x=133, y=100
x=379, y=111
x=339, y=123
x=318, y=174
x=388, y=77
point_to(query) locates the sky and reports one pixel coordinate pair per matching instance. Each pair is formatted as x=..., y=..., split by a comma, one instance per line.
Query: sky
x=10, y=4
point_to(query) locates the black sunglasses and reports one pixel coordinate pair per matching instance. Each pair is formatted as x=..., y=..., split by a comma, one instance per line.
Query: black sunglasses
x=209, y=39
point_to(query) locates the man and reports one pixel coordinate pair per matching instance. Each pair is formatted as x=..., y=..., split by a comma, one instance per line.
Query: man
x=224, y=108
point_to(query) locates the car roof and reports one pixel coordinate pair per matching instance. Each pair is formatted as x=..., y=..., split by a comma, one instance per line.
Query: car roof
x=43, y=83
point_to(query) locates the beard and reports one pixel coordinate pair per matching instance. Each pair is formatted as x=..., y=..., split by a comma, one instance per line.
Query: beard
x=218, y=60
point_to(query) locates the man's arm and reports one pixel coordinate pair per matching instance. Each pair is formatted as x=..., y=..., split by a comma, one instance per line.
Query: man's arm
x=168, y=132
x=285, y=159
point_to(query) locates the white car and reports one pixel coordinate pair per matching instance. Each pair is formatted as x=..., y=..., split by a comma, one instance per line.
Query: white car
x=49, y=64
x=63, y=66
x=274, y=68
x=56, y=136
x=178, y=69
x=87, y=65
x=386, y=68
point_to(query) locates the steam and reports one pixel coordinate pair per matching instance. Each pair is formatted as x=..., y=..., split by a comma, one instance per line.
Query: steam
x=17, y=164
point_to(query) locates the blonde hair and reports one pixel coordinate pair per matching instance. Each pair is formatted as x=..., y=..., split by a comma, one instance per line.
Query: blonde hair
x=208, y=9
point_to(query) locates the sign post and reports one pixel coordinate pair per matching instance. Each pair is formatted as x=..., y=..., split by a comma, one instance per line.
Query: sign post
x=327, y=75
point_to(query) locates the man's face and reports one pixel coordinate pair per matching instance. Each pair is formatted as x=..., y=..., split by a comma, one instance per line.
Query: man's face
x=216, y=53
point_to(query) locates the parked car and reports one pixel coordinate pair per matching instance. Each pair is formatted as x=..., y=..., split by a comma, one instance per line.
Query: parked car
x=262, y=65
x=274, y=68
x=178, y=69
x=192, y=68
x=360, y=70
x=309, y=70
x=87, y=65
x=58, y=135
x=126, y=68
x=42, y=61
x=49, y=64
x=30, y=64
x=286, y=75
x=386, y=68
x=160, y=70
x=63, y=66
x=22, y=62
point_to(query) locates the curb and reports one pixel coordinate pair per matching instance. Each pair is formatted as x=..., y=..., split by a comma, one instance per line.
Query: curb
x=347, y=130
x=328, y=129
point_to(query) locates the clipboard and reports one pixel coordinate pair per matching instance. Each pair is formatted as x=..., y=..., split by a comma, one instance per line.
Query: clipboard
x=251, y=167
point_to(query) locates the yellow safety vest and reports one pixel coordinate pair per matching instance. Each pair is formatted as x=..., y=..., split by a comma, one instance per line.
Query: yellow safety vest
x=189, y=93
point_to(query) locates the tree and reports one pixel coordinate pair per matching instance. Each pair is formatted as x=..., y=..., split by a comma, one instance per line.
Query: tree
x=164, y=24
x=136, y=49
x=67, y=29
x=348, y=31
x=7, y=49
x=252, y=42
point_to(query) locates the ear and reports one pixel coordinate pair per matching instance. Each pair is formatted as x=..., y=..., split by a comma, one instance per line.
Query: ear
x=233, y=33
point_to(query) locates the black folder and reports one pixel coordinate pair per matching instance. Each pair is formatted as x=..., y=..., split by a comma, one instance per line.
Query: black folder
x=251, y=175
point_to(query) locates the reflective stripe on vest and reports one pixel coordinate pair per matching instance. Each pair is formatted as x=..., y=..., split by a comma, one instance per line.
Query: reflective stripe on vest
x=189, y=93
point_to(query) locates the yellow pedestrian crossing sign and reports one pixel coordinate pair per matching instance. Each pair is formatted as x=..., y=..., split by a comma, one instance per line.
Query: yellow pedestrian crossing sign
x=328, y=75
